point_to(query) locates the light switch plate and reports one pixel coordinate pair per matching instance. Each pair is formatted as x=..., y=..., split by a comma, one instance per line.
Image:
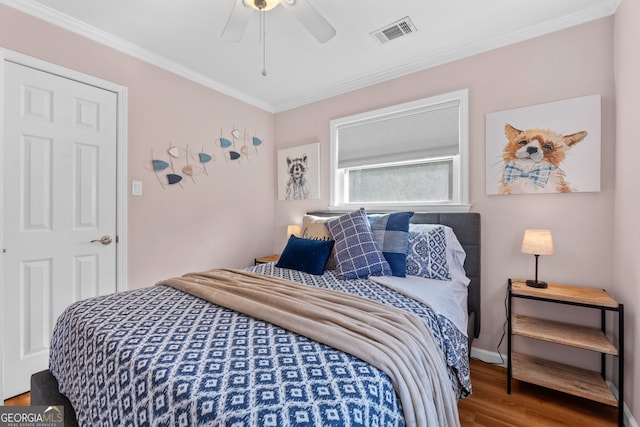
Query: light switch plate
x=136, y=188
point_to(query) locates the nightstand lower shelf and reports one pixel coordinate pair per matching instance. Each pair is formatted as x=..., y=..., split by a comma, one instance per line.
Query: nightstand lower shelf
x=568, y=379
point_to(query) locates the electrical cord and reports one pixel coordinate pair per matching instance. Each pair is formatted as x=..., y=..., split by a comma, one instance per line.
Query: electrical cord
x=504, y=333
x=504, y=327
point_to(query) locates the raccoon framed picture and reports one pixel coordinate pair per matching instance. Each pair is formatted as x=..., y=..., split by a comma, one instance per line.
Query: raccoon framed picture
x=299, y=172
x=545, y=148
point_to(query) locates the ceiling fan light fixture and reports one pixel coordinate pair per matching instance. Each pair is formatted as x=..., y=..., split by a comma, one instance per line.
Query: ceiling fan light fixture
x=262, y=4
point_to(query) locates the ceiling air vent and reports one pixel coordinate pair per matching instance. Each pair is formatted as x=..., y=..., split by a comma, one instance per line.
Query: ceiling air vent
x=393, y=31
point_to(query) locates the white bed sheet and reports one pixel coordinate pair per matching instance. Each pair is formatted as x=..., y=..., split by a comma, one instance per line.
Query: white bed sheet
x=446, y=298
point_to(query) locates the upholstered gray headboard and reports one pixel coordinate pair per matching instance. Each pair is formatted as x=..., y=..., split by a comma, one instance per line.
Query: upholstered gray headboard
x=466, y=225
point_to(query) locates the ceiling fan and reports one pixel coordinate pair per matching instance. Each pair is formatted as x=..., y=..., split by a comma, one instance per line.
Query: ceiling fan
x=302, y=10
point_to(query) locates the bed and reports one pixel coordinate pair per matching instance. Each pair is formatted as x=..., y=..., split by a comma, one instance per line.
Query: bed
x=161, y=356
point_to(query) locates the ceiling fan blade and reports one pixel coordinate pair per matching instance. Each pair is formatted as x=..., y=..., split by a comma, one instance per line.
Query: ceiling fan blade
x=237, y=22
x=311, y=19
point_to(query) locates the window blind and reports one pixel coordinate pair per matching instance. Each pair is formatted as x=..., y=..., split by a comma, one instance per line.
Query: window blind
x=422, y=133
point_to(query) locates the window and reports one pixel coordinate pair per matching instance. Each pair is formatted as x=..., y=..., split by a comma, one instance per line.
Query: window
x=412, y=155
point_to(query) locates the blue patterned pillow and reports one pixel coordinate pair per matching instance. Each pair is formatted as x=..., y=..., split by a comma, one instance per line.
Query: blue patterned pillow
x=427, y=256
x=305, y=255
x=356, y=252
x=391, y=233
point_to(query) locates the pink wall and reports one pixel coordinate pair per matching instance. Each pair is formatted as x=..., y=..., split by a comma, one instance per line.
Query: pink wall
x=562, y=65
x=627, y=202
x=595, y=234
x=173, y=230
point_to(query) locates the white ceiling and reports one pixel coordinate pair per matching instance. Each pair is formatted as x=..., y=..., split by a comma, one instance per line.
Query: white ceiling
x=185, y=37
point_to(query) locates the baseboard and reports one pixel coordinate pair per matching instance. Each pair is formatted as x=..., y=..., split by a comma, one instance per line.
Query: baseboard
x=501, y=360
x=629, y=421
x=487, y=356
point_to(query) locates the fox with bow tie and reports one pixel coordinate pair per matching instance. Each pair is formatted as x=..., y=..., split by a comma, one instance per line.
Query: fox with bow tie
x=532, y=161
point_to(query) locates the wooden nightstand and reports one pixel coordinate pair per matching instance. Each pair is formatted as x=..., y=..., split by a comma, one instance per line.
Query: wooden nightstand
x=266, y=259
x=568, y=379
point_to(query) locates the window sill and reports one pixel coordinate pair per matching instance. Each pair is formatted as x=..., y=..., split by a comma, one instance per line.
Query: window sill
x=395, y=208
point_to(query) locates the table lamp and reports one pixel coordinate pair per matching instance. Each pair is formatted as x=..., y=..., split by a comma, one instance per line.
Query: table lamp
x=293, y=229
x=537, y=242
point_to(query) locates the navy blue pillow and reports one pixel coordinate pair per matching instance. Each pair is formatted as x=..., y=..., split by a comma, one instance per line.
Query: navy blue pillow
x=305, y=255
x=391, y=233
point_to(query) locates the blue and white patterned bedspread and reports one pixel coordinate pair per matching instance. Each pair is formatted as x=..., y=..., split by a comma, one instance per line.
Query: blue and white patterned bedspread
x=160, y=357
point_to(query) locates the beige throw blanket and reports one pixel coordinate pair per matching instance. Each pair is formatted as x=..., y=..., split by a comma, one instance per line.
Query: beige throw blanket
x=396, y=342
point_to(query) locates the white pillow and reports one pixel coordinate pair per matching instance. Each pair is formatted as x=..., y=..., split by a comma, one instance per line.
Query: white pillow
x=315, y=228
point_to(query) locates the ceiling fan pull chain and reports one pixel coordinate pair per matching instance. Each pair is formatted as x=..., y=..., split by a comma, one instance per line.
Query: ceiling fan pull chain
x=263, y=24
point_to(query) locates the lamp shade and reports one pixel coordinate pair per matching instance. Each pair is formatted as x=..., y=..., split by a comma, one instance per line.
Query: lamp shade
x=537, y=242
x=293, y=229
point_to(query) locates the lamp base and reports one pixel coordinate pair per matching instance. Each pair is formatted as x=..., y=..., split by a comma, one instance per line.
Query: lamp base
x=536, y=284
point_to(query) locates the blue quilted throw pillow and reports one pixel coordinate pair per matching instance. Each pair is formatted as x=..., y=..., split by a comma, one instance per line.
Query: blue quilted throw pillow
x=356, y=252
x=427, y=256
x=391, y=233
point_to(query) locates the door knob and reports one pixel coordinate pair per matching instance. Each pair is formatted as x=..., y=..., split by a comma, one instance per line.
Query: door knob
x=105, y=240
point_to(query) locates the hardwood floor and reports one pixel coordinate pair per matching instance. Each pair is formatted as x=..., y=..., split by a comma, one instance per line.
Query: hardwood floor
x=491, y=406
x=527, y=405
x=21, y=400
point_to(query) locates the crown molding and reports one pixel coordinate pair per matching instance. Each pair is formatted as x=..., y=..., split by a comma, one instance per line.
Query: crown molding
x=606, y=8
x=76, y=26
x=603, y=9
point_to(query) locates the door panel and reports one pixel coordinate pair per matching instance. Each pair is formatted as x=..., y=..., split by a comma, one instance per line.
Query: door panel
x=60, y=194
